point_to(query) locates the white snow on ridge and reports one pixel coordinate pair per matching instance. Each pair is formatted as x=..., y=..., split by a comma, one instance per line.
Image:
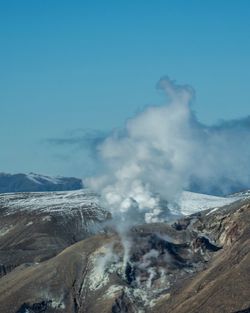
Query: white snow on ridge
x=35, y=178
x=50, y=202
x=191, y=202
x=84, y=200
x=241, y=195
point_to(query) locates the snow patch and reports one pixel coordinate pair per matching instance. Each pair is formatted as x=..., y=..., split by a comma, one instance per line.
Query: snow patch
x=46, y=218
x=113, y=291
x=191, y=202
x=213, y=210
x=5, y=230
x=37, y=178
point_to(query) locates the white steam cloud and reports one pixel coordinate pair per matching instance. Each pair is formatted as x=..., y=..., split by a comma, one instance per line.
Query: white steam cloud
x=164, y=150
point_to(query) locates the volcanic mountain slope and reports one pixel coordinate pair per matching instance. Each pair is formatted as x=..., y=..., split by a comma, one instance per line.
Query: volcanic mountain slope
x=200, y=263
x=37, y=226
x=223, y=286
x=35, y=182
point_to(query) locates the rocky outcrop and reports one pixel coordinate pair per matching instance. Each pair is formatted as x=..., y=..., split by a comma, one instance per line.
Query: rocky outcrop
x=36, y=307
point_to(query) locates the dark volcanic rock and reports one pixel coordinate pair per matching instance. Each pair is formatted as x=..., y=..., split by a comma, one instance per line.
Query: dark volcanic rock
x=243, y=311
x=41, y=307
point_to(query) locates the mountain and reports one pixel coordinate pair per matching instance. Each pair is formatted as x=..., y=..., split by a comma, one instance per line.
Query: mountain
x=59, y=254
x=37, y=226
x=34, y=182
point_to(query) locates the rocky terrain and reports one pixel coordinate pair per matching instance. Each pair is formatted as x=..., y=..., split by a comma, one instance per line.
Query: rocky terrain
x=56, y=257
x=37, y=226
x=34, y=182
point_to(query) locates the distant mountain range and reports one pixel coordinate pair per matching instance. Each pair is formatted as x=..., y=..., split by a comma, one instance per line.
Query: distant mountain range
x=35, y=183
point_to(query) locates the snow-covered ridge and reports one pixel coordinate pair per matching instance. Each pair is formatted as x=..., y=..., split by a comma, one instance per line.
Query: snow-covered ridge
x=242, y=194
x=65, y=202
x=50, y=202
x=37, y=178
x=191, y=202
x=35, y=183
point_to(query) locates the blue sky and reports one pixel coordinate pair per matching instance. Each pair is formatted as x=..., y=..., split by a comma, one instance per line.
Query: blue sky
x=70, y=66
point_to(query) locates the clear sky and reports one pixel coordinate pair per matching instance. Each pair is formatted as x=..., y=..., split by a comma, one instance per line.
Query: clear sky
x=71, y=66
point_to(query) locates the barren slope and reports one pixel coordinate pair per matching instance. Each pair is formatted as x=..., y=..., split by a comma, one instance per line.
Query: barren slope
x=199, y=264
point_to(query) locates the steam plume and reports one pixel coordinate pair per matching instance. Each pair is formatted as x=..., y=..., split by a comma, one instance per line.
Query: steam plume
x=164, y=150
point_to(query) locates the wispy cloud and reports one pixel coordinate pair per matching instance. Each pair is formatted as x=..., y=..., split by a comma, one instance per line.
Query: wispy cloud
x=79, y=138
